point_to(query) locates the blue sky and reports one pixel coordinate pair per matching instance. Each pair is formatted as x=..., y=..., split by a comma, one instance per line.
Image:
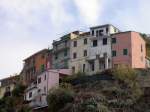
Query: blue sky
x=27, y=26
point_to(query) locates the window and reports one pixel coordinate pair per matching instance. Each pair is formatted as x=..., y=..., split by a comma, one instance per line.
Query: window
x=56, y=57
x=65, y=53
x=113, y=40
x=92, y=32
x=45, y=77
x=42, y=56
x=30, y=94
x=93, y=66
x=104, y=41
x=85, y=41
x=97, y=33
x=125, y=51
x=39, y=90
x=42, y=67
x=94, y=43
x=73, y=69
x=101, y=32
x=107, y=30
x=44, y=89
x=74, y=55
x=83, y=67
x=75, y=43
x=114, y=53
x=39, y=80
x=85, y=53
x=141, y=48
x=8, y=89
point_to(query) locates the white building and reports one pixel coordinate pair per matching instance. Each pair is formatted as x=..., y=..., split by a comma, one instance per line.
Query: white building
x=99, y=57
x=91, y=51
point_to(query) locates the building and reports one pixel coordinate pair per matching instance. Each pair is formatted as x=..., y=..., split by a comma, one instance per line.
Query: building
x=35, y=64
x=30, y=92
x=36, y=93
x=128, y=48
x=8, y=85
x=79, y=52
x=99, y=57
x=61, y=51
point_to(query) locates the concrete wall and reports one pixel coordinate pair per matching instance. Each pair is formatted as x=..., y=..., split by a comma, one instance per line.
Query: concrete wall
x=79, y=50
x=138, y=51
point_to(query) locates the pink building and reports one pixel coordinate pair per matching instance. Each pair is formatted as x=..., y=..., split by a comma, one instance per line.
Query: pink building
x=128, y=48
x=46, y=81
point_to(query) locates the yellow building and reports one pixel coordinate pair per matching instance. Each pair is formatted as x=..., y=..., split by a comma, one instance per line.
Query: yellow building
x=7, y=85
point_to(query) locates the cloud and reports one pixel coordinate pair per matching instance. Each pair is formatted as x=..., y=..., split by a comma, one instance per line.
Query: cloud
x=89, y=10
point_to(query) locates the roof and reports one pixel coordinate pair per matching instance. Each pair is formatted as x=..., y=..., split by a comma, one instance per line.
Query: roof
x=39, y=52
x=66, y=36
x=101, y=26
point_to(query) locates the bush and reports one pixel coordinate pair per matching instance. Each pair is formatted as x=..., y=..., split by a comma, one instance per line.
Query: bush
x=124, y=73
x=59, y=98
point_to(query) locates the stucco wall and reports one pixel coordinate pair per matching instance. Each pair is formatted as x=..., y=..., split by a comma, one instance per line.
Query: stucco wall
x=79, y=50
x=123, y=41
x=138, y=53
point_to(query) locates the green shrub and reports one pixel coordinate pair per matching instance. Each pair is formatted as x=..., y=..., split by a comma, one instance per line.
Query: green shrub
x=58, y=98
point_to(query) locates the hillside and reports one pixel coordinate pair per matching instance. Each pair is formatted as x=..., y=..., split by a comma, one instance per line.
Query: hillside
x=117, y=90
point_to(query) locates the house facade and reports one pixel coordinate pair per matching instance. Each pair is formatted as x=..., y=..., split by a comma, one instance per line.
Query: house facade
x=61, y=51
x=79, y=52
x=34, y=65
x=128, y=48
x=36, y=93
x=7, y=85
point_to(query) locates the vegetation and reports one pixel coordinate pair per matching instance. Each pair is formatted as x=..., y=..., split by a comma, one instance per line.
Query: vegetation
x=147, y=39
x=15, y=102
x=120, y=94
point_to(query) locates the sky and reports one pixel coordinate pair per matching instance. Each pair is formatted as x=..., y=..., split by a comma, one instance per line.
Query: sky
x=27, y=26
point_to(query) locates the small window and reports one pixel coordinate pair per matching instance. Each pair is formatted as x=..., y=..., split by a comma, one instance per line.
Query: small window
x=39, y=90
x=125, y=51
x=45, y=77
x=75, y=43
x=107, y=30
x=56, y=57
x=39, y=80
x=42, y=56
x=85, y=41
x=97, y=33
x=30, y=94
x=73, y=69
x=92, y=32
x=65, y=53
x=94, y=43
x=74, y=55
x=85, y=53
x=83, y=67
x=93, y=66
x=104, y=41
x=44, y=89
x=42, y=67
x=114, y=53
x=113, y=40
x=101, y=32
x=141, y=48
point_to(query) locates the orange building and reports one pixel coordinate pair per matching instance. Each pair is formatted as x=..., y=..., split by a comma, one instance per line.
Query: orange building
x=34, y=65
